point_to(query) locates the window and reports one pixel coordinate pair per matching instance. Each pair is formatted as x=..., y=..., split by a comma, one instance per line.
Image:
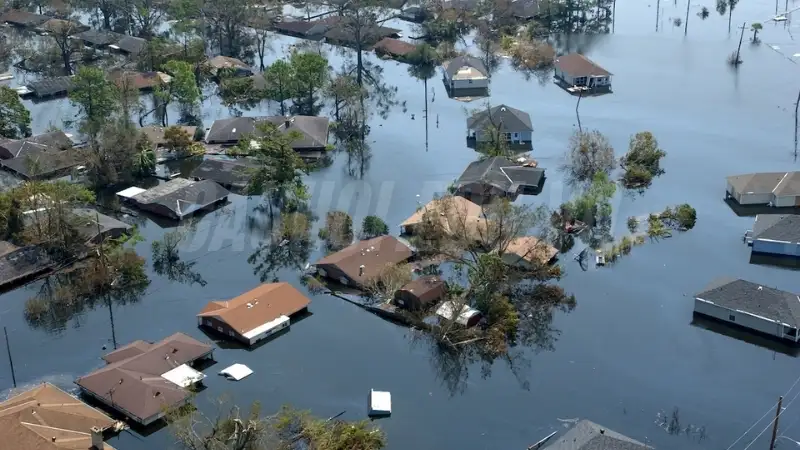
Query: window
x=732, y=318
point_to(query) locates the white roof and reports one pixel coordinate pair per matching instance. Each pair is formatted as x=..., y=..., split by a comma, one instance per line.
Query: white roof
x=380, y=402
x=447, y=310
x=236, y=371
x=130, y=192
x=183, y=376
x=265, y=327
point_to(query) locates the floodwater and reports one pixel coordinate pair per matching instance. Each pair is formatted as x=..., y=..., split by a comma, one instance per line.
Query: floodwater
x=625, y=357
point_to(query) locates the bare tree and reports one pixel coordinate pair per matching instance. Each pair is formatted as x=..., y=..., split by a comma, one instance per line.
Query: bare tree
x=588, y=153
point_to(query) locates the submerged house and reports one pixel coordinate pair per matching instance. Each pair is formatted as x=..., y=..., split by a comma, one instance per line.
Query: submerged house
x=452, y=210
x=528, y=251
x=52, y=141
x=47, y=88
x=587, y=435
x=313, y=132
x=36, y=163
x=228, y=173
x=230, y=66
x=90, y=224
x=577, y=71
x=778, y=189
x=775, y=234
x=141, y=81
x=23, y=19
x=256, y=314
x=177, y=198
x=46, y=418
x=21, y=265
x=394, y=48
x=420, y=293
x=513, y=125
x=499, y=176
x=143, y=379
x=752, y=306
x=465, y=72
x=231, y=130
x=357, y=264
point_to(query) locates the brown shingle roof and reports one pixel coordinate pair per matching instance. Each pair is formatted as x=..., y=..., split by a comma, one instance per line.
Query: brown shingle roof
x=578, y=65
x=134, y=385
x=374, y=254
x=156, y=134
x=226, y=62
x=531, y=249
x=427, y=289
x=257, y=307
x=30, y=421
x=395, y=47
x=138, y=80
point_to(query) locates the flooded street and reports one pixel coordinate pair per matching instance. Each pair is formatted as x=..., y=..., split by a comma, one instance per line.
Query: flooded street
x=627, y=355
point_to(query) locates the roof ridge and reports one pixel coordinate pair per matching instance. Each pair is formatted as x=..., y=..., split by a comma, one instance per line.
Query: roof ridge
x=52, y=428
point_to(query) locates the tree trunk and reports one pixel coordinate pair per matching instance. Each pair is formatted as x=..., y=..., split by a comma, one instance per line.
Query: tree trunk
x=686, y=22
x=613, y=15
x=658, y=13
x=425, y=86
x=795, y=124
x=577, y=114
x=730, y=16
x=67, y=65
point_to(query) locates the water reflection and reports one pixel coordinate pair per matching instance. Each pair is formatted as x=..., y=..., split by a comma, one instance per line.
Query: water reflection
x=167, y=261
x=288, y=245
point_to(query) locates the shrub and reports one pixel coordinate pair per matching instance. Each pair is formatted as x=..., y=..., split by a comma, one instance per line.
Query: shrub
x=633, y=224
x=625, y=245
x=686, y=216
x=338, y=231
x=373, y=226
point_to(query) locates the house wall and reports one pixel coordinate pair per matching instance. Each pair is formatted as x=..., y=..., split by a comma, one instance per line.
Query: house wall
x=787, y=201
x=158, y=209
x=480, y=83
x=268, y=333
x=742, y=319
x=519, y=136
x=221, y=328
x=332, y=272
x=561, y=75
x=776, y=248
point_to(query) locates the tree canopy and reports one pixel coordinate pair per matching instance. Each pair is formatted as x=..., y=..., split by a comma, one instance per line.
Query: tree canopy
x=15, y=119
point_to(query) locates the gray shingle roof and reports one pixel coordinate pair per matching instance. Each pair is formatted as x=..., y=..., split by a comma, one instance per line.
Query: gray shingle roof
x=452, y=66
x=228, y=172
x=506, y=118
x=756, y=183
x=131, y=45
x=183, y=197
x=230, y=130
x=789, y=186
x=41, y=164
x=99, y=38
x=742, y=295
x=501, y=173
x=587, y=435
x=51, y=86
x=314, y=130
x=23, y=263
x=777, y=227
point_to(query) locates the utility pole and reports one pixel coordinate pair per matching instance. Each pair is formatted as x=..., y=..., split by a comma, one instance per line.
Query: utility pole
x=739, y=49
x=775, y=424
x=686, y=22
x=658, y=12
x=10, y=361
x=796, y=104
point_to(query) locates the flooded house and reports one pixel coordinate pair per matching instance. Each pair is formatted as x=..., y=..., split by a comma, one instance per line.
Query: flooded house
x=46, y=418
x=421, y=293
x=511, y=124
x=98, y=39
x=465, y=72
x=587, y=435
x=749, y=305
x=46, y=88
x=341, y=32
x=313, y=131
x=129, y=45
x=52, y=141
x=23, y=19
x=38, y=164
x=528, y=251
x=89, y=223
x=231, y=66
x=575, y=71
x=141, y=81
x=228, y=173
x=451, y=210
x=394, y=48
x=256, y=314
x=357, y=264
x=777, y=189
x=499, y=177
x=61, y=27
x=143, y=379
x=177, y=198
x=775, y=235
x=19, y=265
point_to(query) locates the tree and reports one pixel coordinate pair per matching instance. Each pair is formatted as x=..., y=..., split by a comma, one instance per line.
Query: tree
x=15, y=119
x=145, y=17
x=642, y=162
x=229, y=429
x=510, y=295
x=338, y=230
x=114, y=156
x=594, y=205
x=62, y=38
x=144, y=161
x=96, y=99
x=182, y=89
x=319, y=434
x=728, y=6
x=589, y=153
x=755, y=27
x=279, y=78
x=226, y=22
x=373, y=226
x=176, y=139
x=310, y=75
x=279, y=172
x=261, y=22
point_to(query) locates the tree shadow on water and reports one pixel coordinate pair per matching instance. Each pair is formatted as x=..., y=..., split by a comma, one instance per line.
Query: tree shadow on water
x=167, y=261
x=288, y=246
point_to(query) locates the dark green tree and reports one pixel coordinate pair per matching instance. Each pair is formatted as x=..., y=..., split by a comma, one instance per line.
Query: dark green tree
x=15, y=119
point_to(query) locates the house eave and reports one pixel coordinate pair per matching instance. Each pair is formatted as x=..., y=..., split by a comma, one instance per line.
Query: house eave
x=776, y=321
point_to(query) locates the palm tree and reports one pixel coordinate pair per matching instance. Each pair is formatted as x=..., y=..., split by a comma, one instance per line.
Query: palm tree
x=728, y=6
x=423, y=60
x=756, y=27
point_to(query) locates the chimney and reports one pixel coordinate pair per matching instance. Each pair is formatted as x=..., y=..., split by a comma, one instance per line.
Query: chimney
x=97, y=439
x=361, y=270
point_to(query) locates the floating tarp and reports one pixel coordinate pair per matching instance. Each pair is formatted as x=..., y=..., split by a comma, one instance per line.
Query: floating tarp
x=236, y=372
x=183, y=376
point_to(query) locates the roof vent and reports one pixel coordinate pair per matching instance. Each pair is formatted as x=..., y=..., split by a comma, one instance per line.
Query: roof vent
x=120, y=381
x=760, y=288
x=53, y=439
x=502, y=108
x=361, y=270
x=233, y=130
x=602, y=431
x=157, y=394
x=249, y=305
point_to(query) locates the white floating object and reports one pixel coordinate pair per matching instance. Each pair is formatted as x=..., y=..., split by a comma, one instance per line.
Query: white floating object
x=236, y=372
x=796, y=55
x=6, y=76
x=183, y=376
x=775, y=47
x=780, y=18
x=380, y=403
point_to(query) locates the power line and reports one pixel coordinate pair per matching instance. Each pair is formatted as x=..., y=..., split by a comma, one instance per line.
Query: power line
x=773, y=420
x=765, y=415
